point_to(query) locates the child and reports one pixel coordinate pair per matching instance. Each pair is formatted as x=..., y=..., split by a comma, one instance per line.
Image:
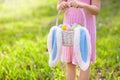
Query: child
x=73, y=15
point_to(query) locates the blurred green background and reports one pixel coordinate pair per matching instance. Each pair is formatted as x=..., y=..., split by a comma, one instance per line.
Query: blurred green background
x=24, y=26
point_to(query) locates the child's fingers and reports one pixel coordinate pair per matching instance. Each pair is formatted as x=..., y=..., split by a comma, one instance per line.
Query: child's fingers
x=62, y=10
x=74, y=4
x=64, y=6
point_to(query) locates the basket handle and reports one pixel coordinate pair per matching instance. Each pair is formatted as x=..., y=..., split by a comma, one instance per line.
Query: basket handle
x=57, y=18
x=83, y=13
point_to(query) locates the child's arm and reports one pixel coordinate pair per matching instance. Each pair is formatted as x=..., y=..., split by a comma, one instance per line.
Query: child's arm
x=62, y=5
x=94, y=8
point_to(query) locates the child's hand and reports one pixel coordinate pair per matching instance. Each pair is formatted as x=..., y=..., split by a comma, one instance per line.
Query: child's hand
x=62, y=6
x=77, y=4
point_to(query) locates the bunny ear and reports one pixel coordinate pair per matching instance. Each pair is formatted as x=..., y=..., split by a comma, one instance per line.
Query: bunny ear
x=54, y=45
x=82, y=47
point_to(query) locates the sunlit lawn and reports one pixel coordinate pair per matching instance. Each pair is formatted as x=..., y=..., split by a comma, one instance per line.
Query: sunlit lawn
x=24, y=25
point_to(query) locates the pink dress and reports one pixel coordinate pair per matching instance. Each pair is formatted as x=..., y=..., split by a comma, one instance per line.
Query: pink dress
x=73, y=15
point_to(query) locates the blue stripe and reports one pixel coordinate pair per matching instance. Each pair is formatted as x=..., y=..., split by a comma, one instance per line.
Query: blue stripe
x=83, y=45
x=54, y=45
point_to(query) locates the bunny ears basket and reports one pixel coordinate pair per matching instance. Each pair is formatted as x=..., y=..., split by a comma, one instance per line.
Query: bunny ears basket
x=70, y=35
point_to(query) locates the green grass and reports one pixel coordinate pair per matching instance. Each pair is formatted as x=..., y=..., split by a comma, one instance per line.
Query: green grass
x=24, y=26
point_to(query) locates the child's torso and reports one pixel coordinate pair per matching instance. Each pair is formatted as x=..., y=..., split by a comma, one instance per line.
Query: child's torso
x=74, y=15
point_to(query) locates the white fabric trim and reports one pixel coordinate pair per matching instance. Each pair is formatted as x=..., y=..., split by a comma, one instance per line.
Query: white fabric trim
x=49, y=40
x=84, y=66
x=59, y=46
